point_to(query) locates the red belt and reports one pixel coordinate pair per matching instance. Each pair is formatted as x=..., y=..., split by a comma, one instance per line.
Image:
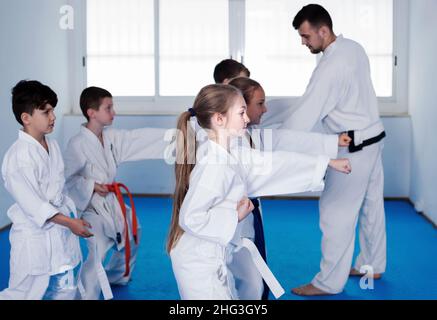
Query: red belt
x=115, y=187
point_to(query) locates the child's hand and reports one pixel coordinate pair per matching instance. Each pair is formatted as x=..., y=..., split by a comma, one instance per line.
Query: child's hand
x=80, y=228
x=101, y=189
x=344, y=140
x=341, y=165
x=244, y=207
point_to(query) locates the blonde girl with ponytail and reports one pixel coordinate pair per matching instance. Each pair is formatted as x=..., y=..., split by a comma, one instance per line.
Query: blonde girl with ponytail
x=212, y=193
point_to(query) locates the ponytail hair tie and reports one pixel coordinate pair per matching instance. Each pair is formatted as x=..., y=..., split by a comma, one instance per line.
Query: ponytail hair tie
x=192, y=112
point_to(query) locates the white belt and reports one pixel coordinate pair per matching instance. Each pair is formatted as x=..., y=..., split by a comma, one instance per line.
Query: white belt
x=71, y=277
x=80, y=286
x=263, y=269
x=101, y=275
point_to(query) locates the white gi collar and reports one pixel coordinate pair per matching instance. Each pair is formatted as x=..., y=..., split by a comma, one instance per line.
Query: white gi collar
x=333, y=45
x=90, y=135
x=216, y=148
x=29, y=139
x=216, y=154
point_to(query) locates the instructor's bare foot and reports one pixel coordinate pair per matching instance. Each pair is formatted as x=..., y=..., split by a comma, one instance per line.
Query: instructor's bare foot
x=355, y=273
x=309, y=290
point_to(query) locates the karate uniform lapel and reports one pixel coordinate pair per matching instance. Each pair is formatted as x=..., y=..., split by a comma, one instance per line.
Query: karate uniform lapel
x=96, y=152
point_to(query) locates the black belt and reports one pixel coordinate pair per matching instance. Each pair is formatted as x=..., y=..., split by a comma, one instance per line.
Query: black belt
x=365, y=143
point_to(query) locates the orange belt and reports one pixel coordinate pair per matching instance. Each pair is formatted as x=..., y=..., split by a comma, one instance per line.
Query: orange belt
x=115, y=187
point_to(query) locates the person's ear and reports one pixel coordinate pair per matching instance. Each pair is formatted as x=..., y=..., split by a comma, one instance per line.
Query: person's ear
x=221, y=119
x=90, y=113
x=218, y=119
x=226, y=81
x=324, y=32
x=25, y=118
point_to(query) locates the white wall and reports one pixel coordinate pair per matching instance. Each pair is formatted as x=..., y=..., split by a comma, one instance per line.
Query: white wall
x=423, y=105
x=32, y=47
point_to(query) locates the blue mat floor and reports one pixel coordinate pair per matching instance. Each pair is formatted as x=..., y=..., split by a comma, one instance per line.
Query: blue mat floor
x=293, y=250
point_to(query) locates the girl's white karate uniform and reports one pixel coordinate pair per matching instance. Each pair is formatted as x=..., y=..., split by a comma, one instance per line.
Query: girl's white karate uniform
x=43, y=254
x=248, y=280
x=341, y=97
x=88, y=162
x=209, y=211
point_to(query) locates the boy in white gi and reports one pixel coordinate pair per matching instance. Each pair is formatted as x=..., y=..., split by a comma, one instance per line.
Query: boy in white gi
x=211, y=194
x=45, y=252
x=91, y=161
x=341, y=97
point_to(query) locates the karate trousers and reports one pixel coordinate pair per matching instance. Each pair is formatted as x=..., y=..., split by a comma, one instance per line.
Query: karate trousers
x=347, y=199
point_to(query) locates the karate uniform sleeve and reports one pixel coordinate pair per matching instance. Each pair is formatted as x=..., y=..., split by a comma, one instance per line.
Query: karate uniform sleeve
x=80, y=188
x=138, y=144
x=274, y=173
x=24, y=188
x=321, y=96
x=305, y=142
x=202, y=215
x=278, y=110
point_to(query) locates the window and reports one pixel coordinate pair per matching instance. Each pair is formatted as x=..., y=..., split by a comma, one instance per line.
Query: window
x=193, y=37
x=155, y=55
x=120, y=46
x=274, y=52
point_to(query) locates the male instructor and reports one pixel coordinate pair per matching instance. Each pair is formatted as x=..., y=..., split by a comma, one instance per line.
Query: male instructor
x=340, y=97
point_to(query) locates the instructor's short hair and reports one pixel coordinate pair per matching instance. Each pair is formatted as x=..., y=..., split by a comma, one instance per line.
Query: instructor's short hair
x=228, y=69
x=315, y=14
x=28, y=95
x=91, y=98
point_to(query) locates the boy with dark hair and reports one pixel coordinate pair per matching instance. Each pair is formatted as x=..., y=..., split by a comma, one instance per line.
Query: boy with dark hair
x=228, y=69
x=45, y=252
x=91, y=161
x=91, y=98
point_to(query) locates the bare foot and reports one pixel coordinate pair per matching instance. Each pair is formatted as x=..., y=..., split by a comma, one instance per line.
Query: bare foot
x=309, y=290
x=355, y=273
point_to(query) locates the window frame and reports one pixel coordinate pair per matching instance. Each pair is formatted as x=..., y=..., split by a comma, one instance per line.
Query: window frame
x=396, y=105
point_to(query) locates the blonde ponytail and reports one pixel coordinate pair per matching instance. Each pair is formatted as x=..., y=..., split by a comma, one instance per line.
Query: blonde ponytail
x=185, y=161
x=216, y=98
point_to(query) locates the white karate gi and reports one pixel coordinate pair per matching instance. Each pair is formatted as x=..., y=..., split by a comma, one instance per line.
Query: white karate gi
x=209, y=211
x=43, y=254
x=248, y=281
x=312, y=143
x=88, y=162
x=278, y=109
x=340, y=95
